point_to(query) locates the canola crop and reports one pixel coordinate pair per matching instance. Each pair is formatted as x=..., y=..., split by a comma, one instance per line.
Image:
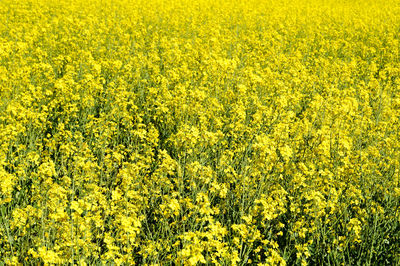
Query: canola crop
x=199, y=132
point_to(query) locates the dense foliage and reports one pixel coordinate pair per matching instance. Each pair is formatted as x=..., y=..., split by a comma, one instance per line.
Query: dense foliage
x=199, y=132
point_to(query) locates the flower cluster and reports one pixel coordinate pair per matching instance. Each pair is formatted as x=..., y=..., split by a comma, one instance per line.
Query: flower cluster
x=232, y=132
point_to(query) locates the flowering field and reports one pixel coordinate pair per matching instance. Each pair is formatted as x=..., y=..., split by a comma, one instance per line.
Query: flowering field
x=187, y=132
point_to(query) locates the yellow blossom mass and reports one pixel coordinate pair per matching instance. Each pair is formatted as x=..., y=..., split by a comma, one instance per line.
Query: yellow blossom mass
x=154, y=132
